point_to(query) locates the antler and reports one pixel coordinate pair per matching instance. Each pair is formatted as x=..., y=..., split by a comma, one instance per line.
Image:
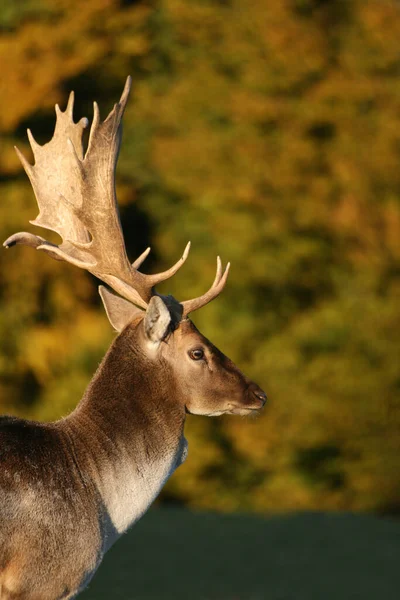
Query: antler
x=75, y=192
x=214, y=291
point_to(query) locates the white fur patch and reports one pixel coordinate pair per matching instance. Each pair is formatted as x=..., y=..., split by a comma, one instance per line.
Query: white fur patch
x=128, y=489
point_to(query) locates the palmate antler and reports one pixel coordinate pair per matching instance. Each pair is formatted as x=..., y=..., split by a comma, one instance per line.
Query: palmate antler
x=75, y=192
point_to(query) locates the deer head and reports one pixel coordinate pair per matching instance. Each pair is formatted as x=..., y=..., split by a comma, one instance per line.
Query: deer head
x=75, y=191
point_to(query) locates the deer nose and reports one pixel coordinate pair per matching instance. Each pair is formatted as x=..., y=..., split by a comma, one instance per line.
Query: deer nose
x=258, y=393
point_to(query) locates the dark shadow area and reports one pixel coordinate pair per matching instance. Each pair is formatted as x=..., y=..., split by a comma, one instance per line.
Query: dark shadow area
x=137, y=233
x=30, y=388
x=319, y=465
x=175, y=554
x=42, y=124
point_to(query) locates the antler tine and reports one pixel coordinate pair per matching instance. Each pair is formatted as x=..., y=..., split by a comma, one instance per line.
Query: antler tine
x=218, y=274
x=28, y=239
x=70, y=105
x=153, y=280
x=25, y=163
x=33, y=143
x=140, y=259
x=214, y=291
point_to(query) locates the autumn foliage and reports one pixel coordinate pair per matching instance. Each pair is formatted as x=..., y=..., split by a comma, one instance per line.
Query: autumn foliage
x=268, y=133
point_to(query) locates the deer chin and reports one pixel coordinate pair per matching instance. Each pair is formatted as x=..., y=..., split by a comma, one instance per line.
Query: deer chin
x=229, y=410
x=204, y=413
x=244, y=410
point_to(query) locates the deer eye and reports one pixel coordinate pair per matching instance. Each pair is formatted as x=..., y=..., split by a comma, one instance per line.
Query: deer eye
x=196, y=354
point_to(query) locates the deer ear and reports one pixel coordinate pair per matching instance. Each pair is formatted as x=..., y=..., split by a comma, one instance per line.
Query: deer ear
x=119, y=311
x=156, y=320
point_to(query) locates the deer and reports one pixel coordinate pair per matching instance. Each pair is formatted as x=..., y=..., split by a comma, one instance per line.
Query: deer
x=70, y=488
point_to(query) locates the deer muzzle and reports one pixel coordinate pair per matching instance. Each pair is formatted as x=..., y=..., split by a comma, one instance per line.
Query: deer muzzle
x=256, y=397
x=253, y=401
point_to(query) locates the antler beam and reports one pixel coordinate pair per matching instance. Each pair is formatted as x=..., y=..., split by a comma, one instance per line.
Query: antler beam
x=75, y=192
x=76, y=197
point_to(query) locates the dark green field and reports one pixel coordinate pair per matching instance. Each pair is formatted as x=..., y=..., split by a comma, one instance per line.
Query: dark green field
x=175, y=554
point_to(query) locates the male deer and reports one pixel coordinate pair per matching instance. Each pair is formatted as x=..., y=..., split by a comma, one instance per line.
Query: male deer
x=68, y=489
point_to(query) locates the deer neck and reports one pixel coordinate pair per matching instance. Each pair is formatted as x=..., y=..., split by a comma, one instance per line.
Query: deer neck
x=128, y=433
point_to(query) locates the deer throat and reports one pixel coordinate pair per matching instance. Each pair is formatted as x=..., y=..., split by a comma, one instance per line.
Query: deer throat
x=128, y=488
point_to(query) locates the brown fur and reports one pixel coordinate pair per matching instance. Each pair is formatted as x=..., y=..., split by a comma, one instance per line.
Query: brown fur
x=57, y=479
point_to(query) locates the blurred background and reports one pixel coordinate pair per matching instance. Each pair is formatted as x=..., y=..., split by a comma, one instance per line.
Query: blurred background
x=268, y=134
